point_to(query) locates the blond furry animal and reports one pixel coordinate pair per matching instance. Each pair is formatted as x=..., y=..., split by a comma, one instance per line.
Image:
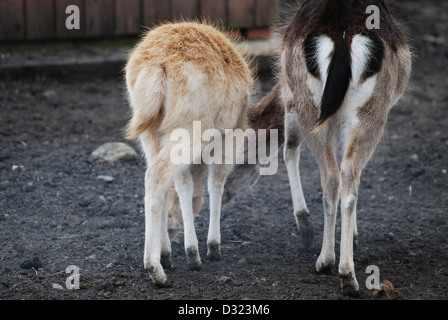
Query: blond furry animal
x=178, y=74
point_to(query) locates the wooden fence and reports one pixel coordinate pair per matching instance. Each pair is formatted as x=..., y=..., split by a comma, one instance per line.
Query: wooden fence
x=45, y=19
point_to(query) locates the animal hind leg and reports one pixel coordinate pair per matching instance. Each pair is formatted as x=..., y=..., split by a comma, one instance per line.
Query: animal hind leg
x=359, y=149
x=216, y=181
x=158, y=179
x=185, y=188
x=292, y=158
x=330, y=181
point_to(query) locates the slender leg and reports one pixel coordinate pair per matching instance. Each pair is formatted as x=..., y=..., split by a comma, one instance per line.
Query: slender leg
x=359, y=149
x=349, y=197
x=185, y=187
x=158, y=179
x=175, y=221
x=330, y=185
x=292, y=159
x=155, y=242
x=153, y=232
x=216, y=181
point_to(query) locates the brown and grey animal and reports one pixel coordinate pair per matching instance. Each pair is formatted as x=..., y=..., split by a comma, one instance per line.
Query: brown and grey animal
x=181, y=73
x=339, y=79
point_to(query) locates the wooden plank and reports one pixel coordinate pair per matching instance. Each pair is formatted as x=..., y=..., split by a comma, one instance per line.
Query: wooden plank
x=156, y=11
x=128, y=15
x=61, y=17
x=214, y=10
x=185, y=9
x=12, y=18
x=242, y=13
x=40, y=19
x=99, y=18
x=266, y=12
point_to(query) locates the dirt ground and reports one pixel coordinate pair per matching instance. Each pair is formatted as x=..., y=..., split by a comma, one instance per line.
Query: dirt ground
x=53, y=206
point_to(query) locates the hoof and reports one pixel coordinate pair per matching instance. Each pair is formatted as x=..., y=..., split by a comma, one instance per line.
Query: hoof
x=306, y=228
x=193, y=260
x=214, y=252
x=194, y=265
x=166, y=284
x=321, y=268
x=349, y=286
x=157, y=274
x=325, y=262
x=165, y=260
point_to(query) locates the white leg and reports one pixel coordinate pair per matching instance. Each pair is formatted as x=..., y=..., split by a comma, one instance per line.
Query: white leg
x=185, y=187
x=349, y=197
x=291, y=155
x=330, y=185
x=292, y=160
x=216, y=182
x=158, y=179
x=153, y=232
x=358, y=151
x=154, y=217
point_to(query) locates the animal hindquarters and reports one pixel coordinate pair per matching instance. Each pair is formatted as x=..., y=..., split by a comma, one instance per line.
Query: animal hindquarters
x=342, y=80
x=180, y=74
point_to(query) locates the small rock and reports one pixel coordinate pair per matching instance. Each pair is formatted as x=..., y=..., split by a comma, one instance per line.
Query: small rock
x=114, y=151
x=107, y=179
x=243, y=260
x=49, y=94
x=110, y=265
x=32, y=262
x=84, y=203
x=17, y=167
x=223, y=280
x=389, y=236
x=29, y=187
x=57, y=286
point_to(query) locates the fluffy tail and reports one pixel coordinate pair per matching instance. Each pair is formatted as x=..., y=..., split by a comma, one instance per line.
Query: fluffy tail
x=146, y=95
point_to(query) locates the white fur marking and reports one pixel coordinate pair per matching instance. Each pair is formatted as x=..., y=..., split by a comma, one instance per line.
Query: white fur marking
x=349, y=202
x=360, y=52
x=316, y=90
x=324, y=53
x=356, y=98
